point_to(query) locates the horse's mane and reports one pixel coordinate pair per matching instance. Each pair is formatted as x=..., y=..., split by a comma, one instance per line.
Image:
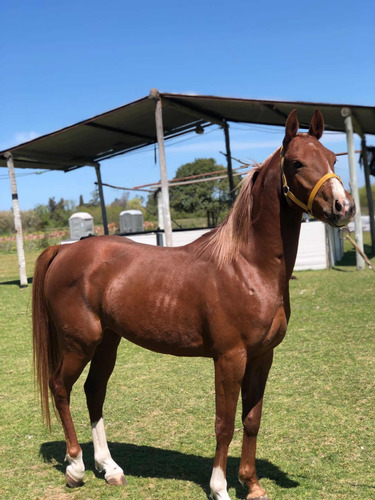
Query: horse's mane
x=223, y=243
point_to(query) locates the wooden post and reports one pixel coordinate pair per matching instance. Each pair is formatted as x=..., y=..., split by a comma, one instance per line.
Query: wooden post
x=154, y=94
x=229, y=162
x=101, y=196
x=358, y=129
x=346, y=113
x=160, y=210
x=370, y=199
x=159, y=234
x=17, y=221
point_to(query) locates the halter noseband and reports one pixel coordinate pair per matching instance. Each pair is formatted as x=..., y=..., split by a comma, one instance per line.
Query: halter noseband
x=289, y=195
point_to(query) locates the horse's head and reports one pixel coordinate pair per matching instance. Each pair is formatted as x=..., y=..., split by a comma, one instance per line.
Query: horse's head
x=309, y=181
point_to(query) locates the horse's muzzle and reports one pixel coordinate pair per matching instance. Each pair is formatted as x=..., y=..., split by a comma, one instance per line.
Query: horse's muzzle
x=342, y=211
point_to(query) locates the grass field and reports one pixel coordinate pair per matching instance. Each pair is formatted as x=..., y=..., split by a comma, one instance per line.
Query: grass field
x=317, y=435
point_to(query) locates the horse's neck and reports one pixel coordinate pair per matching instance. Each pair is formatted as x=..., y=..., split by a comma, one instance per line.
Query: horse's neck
x=260, y=229
x=275, y=226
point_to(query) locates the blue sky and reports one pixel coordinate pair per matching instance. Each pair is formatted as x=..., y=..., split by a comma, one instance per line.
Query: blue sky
x=63, y=62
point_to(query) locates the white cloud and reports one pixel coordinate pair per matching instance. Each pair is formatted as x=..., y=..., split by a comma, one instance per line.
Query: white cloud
x=187, y=92
x=21, y=137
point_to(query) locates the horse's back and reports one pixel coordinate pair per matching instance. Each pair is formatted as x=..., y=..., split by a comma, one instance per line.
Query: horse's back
x=84, y=256
x=150, y=295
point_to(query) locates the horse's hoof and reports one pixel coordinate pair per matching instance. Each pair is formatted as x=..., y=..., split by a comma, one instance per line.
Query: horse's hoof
x=71, y=482
x=119, y=480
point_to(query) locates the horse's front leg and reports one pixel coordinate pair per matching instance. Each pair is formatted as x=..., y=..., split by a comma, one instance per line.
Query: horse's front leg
x=229, y=372
x=253, y=386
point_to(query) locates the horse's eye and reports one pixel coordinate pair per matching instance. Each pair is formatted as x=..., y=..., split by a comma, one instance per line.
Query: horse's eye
x=297, y=164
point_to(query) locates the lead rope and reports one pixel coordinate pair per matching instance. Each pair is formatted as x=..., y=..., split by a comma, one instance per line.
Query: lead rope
x=289, y=195
x=344, y=234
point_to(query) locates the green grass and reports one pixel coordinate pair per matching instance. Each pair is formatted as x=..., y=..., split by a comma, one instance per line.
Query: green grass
x=317, y=435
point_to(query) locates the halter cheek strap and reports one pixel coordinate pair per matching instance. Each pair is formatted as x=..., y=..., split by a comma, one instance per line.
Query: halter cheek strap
x=289, y=195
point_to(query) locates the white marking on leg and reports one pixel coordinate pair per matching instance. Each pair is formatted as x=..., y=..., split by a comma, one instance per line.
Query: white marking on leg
x=102, y=455
x=218, y=485
x=76, y=467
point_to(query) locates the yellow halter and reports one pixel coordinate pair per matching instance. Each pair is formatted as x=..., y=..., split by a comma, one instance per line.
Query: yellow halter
x=289, y=195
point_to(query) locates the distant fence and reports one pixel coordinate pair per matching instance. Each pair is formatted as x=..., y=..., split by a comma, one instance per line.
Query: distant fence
x=319, y=245
x=365, y=219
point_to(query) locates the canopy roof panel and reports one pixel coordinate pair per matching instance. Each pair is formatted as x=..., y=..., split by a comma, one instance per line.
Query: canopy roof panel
x=132, y=126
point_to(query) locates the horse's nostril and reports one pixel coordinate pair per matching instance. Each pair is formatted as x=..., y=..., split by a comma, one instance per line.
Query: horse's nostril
x=338, y=206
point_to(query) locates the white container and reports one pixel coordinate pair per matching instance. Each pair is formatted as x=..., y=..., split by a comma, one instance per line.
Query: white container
x=131, y=221
x=81, y=224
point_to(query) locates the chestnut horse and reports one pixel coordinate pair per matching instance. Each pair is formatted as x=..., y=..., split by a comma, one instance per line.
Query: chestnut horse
x=224, y=296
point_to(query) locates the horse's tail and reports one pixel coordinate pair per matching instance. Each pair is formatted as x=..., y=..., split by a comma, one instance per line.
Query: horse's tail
x=46, y=345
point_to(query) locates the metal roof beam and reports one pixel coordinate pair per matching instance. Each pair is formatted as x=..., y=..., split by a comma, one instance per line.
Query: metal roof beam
x=272, y=107
x=47, y=159
x=168, y=135
x=119, y=131
x=193, y=111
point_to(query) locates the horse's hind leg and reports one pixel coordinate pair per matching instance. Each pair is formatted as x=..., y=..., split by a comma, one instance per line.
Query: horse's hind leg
x=101, y=368
x=61, y=384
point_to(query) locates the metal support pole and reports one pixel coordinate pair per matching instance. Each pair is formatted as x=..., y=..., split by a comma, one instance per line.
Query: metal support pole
x=159, y=239
x=229, y=162
x=17, y=221
x=101, y=196
x=369, y=193
x=346, y=113
x=154, y=94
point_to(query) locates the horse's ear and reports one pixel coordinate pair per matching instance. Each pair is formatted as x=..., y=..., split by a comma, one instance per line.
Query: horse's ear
x=317, y=124
x=291, y=127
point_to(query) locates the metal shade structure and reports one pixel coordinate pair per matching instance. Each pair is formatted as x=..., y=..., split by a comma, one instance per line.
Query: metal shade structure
x=132, y=126
x=162, y=116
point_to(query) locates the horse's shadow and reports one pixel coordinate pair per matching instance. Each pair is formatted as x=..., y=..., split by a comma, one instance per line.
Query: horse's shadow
x=147, y=461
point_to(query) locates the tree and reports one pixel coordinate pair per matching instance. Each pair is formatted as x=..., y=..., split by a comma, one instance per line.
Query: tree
x=95, y=198
x=136, y=204
x=210, y=198
x=152, y=205
x=121, y=202
x=54, y=214
x=363, y=198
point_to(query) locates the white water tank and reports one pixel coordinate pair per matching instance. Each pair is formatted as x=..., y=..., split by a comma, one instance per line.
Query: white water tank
x=81, y=224
x=131, y=221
